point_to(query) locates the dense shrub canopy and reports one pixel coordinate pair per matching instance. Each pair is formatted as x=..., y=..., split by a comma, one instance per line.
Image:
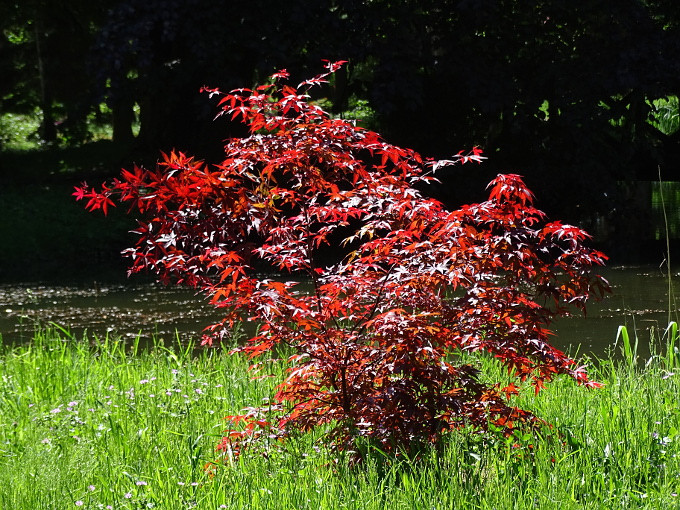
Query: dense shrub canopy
x=377, y=343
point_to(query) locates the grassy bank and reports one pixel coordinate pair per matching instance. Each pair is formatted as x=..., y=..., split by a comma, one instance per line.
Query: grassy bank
x=97, y=425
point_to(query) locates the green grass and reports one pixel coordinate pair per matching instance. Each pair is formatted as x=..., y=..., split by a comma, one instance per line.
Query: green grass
x=104, y=425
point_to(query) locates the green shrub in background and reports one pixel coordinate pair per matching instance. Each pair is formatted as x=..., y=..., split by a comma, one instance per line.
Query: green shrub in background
x=18, y=132
x=665, y=114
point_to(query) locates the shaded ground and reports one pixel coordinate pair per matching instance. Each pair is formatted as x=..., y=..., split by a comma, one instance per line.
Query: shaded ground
x=45, y=235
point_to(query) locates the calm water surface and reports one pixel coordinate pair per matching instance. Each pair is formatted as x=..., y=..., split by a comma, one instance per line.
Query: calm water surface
x=121, y=309
x=640, y=301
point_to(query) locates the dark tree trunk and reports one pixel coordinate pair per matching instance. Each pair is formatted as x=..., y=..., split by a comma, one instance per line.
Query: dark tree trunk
x=154, y=124
x=123, y=117
x=340, y=92
x=48, y=131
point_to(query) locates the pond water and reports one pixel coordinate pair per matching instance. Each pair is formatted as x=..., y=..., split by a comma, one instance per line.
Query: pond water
x=639, y=301
x=125, y=310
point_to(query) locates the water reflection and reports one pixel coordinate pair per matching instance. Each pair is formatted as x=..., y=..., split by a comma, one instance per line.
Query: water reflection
x=640, y=301
x=127, y=310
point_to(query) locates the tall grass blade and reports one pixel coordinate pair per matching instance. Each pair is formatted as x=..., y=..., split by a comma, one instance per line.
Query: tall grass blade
x=629, y=350
x=64, y=331
x=669, y=274
x=671, y=335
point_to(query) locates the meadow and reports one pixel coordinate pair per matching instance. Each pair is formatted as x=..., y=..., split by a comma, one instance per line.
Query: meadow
x=101, y=424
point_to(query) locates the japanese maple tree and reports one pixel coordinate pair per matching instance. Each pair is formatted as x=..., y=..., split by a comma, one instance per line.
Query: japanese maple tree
x=377, y=343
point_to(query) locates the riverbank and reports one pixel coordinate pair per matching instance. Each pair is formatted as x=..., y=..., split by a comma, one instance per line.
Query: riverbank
x=97, y=425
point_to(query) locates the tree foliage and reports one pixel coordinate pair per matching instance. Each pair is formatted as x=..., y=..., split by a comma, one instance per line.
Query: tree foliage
x=380, y=348
x=44, y=49
x=573, y=85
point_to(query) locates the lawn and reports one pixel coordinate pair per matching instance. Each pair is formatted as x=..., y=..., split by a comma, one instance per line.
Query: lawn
x=96, y=424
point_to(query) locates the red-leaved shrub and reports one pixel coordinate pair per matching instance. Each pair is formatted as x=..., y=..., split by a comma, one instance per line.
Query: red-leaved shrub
x=378, y=345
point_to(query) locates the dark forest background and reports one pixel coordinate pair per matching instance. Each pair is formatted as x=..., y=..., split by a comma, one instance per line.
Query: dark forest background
x=579, y=97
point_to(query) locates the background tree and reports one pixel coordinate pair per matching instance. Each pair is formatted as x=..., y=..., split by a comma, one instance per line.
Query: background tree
x=570, y=84
x=163, y=51
x=566, y=83
x=44, y=54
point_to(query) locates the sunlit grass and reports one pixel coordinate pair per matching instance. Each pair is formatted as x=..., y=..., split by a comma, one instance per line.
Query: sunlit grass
x=109, y=425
